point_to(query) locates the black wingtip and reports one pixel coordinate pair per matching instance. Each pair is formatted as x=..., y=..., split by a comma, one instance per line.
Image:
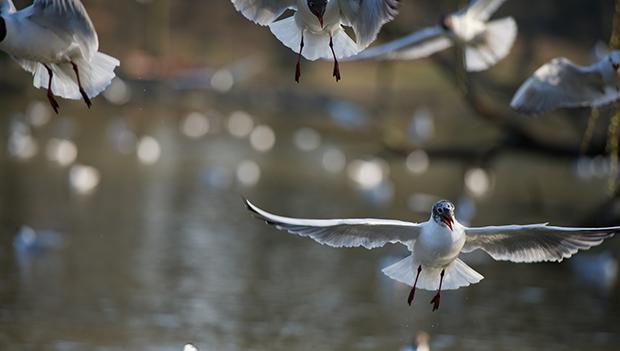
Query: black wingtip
x=248, y=204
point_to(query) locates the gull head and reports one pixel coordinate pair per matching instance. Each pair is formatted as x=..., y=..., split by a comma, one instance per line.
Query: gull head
x=445, y=21
x=443, y=213
x=317, y=7
x=614, y=59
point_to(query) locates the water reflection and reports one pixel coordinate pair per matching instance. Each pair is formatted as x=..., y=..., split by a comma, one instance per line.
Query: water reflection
x=152, y=248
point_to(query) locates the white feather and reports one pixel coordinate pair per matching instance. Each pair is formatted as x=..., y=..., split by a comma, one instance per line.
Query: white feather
x=262, y=12
x=534, y=242
x=457, y=274
x=366, y=232
x=6, y=7
x=561, y=83
x=416, y=45
x=493, y=45
x=483, y=9
x=367, y=17
x=316, y=46
x=95, y=76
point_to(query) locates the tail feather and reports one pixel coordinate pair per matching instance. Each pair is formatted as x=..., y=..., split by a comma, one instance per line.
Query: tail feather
x=316, y=46
x=498, y=41
x=95, y=75
x=457, y=274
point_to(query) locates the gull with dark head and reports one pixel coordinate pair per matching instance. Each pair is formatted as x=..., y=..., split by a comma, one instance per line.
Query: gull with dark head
x=435, y=245
x=561, y=83
x=316, y=30
x=483, y=42
x=56, y=41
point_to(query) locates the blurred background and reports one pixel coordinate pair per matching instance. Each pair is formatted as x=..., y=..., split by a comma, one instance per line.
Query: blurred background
x=123, y=228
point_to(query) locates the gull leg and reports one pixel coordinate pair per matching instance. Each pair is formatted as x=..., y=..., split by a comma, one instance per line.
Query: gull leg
x=435, y=300
x=336, y=65
x=412, y=292
x=77, y=74
x=50, y=95
x=298, y=67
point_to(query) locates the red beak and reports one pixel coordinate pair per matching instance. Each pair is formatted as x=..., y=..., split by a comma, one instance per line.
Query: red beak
x=447, y=220
x=321, y=20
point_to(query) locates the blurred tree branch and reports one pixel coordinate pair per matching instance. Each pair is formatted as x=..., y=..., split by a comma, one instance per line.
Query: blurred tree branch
x=516, y=137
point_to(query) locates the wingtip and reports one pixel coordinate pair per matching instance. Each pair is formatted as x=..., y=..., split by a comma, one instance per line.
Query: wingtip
x=250, y=206
x=256, y=212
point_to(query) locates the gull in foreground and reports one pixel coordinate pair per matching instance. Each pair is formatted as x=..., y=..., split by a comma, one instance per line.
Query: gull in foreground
x=436, y=244
x=483, y=42
x=316, y=30
x=56, y=42
x=561, y=83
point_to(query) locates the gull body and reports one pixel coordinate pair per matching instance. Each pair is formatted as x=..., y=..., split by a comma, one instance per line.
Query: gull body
x=55, y=40
x=483, y=42
x=435, y=245
x=315, y=31
x=562, y=84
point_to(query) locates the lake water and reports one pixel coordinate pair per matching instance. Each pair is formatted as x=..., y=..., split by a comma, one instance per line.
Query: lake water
x=165, y=253
x=136, y=236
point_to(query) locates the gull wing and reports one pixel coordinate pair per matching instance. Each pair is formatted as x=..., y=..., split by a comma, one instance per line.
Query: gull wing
x=483, y=9
x=420, y=44
x=263, y=12
x=534, y=242
x=6, y=7
x=367, y=17
x=67, y=19
x=561, y=83
x=369, y=233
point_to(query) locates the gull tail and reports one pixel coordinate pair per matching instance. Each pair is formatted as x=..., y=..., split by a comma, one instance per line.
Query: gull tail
x=95, y=75
x=498, y=40
x=316, y=45
x=457, y=274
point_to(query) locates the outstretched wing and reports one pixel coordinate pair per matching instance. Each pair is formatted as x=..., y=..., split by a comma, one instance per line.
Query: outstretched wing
x=420, y=44
x=483, y=9
x=369, y=233
x=367, y=17
x=69, y=20
x=534, y=242
x=263, y=12
x=560, y=83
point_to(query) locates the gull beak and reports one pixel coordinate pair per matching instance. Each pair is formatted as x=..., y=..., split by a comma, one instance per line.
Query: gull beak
x=447, y=220
x=321, y=20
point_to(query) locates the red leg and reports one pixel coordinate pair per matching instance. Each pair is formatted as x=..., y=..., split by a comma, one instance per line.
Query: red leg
x=336, y=65
x=77, y=74
x=412, y=292
x=298, y=67
x=435, y=300
x=50, y=95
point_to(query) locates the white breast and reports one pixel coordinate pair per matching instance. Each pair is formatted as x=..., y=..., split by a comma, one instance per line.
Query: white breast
x=437, y=245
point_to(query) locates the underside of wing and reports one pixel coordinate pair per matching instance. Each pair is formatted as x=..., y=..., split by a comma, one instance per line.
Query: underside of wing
x=68, y=19
x=367, y=17
x=368, y=233
x=534, y=242
x=560, y=83
x=417, y=45
x=483, y=9
x=262, y=12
